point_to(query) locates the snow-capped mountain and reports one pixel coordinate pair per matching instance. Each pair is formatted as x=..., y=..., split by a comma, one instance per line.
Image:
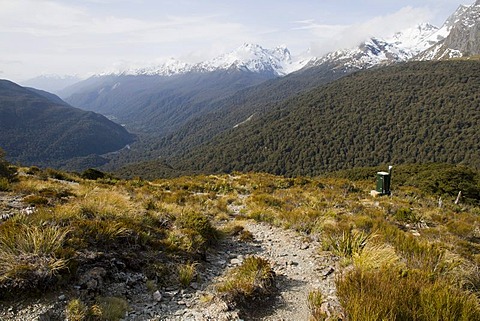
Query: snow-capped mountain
x=253, y=58
x=458, y=37
x=402, y=46
x=248, y=57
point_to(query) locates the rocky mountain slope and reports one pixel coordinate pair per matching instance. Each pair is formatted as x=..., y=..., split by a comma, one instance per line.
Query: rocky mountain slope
x=458, y=37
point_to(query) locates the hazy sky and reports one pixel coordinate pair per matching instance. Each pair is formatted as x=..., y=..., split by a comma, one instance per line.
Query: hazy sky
x=82, y=37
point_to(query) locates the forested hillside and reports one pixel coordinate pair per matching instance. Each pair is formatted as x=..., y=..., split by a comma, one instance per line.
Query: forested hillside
x=223, y=114
x=38, y=128
x=409, y=113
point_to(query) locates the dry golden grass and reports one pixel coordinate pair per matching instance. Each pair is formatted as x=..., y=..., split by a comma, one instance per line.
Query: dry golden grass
x=28, y=253
x=422, y=247
x=254, y=278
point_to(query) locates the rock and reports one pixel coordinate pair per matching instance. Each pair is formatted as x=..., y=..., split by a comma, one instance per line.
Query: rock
x=194, y=285
x=328, y=272
x=157, y=296
x=235, y=261
x=304, y=246
x=93, y=279
x=62, y=297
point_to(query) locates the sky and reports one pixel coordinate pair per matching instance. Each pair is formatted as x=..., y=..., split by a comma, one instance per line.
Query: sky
x=74, y=37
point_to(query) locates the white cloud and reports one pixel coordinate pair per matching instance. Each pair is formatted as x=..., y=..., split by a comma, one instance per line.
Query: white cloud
x=36, y=29
x=333, y=37
x=71, y=36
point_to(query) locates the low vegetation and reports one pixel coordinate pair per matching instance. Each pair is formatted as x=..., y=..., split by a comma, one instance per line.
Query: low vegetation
x=407, y=256
x=253, y=279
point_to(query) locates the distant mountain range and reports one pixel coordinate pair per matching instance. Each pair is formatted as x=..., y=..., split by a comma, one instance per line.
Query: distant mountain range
x=52, y=83
x=38, y=128
x=175, y=108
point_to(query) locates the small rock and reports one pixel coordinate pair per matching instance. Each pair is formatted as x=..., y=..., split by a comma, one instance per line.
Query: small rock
x=157, y=296
x=194, y=285
x=328, y=272
x=62, y=297
x=304, y=246
x=235, y=261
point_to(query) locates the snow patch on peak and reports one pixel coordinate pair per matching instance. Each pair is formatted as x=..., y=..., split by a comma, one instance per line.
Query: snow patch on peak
x=248, y=57
x=169, y=67
x=414, y=40
x=251, y=57
x=401, y=46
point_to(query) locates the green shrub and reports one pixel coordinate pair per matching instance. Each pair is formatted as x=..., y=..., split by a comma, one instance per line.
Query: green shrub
x=93, y=174
x=407, y=215
x=5, y=185
x=6, y=171
x=198, y=223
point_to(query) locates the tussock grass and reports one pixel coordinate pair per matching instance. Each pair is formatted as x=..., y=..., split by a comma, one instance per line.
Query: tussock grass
x=165, y=225
x=254, y=278
x=28, y=254
x=76, y=310
x=110, y=308
x=387, y=294
x=350, y=242
x=187, y=273
x=376, y=256
x=315, y=300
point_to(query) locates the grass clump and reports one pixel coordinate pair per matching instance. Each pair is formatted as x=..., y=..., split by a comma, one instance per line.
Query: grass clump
x=76, y=310
x=390, y=294
x=28, y=254
x=347, y=244
x=111, y=308
x=314, y=301
x=187, y=273
x=254, y=278
x=199, y=224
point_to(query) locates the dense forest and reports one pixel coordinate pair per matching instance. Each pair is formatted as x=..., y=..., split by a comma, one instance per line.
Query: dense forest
x=409, y=113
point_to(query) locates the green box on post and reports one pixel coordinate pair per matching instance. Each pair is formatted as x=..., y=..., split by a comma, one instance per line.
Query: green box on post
x=383, y=183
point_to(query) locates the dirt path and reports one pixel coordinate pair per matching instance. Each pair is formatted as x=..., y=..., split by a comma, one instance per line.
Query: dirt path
x=298, y=266
x=299, y=269
x=296, y=261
